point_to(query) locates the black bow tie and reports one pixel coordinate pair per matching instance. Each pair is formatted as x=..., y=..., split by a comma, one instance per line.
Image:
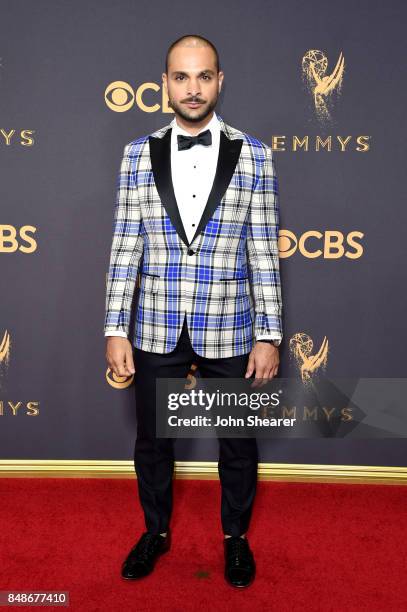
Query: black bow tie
x=186, y=142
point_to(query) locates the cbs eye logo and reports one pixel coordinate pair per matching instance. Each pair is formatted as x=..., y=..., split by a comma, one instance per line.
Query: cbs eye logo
x=121, y=97
x=118, y=382
x=330, y=244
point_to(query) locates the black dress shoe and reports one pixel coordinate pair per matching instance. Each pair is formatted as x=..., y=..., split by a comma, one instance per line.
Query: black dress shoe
x=142, y=557
x=240, y=567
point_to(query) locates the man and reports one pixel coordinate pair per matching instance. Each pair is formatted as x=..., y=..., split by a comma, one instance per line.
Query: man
x=197, y=217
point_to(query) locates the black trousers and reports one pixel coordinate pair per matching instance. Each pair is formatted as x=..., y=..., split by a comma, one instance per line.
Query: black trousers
x=154, y=457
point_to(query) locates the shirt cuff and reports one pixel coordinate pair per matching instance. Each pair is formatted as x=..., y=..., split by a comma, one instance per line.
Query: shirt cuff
x=116, y=333
x=276, y=339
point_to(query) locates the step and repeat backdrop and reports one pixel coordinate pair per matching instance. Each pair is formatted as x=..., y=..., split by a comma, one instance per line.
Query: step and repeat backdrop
x=321, y=83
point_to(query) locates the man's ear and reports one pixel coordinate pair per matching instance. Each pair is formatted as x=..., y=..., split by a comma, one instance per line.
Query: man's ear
x=220, y=78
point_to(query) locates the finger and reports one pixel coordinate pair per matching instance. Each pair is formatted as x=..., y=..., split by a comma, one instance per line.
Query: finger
x=119, y=368
x=129, y=362
x=250, y=366
x=266, y=377
x=259, y=375
x=272, y=373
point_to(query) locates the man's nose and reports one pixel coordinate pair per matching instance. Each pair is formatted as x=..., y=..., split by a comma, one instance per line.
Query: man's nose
x=194, y=88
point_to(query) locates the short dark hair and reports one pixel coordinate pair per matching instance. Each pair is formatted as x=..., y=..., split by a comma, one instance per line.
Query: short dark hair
x=202, y=39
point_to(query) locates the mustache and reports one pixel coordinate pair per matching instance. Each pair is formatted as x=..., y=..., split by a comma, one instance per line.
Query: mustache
x=196, y=100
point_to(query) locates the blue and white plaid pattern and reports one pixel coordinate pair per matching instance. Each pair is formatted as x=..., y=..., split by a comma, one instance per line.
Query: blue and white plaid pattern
x=229, y=288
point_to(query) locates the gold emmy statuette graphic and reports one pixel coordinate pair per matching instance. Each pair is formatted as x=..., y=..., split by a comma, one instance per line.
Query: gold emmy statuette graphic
x=190, y=376
x=320, y=84
x=5, y=347
x=301, y=346
x=118, y=382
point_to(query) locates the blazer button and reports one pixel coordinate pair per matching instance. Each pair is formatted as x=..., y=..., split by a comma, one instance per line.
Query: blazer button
x=191, y=252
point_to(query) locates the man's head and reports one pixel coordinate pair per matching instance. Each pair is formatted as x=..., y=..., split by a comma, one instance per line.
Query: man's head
x=192, y=75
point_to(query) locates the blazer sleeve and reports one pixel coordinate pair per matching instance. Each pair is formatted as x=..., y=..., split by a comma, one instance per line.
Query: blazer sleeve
x=126, y=249
x=262, y=252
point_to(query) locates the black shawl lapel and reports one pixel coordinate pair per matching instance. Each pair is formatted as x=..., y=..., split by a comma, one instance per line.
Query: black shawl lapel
x=160, y=153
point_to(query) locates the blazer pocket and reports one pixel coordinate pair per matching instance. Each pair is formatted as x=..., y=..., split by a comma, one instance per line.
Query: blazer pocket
x=149, y=282
x=232, y=287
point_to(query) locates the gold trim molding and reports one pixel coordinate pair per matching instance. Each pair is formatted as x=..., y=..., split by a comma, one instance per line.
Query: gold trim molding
x=286, y=472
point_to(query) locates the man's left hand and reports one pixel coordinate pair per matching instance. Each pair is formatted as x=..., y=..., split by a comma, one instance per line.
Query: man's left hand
x=264, y=360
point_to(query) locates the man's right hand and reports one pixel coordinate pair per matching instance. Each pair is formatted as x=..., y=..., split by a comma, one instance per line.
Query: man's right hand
x=119, y=355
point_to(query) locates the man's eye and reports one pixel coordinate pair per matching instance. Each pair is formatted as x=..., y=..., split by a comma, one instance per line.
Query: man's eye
x=204, y=76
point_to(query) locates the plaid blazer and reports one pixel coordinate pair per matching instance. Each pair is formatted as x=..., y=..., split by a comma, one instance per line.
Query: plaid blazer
x=226, y=279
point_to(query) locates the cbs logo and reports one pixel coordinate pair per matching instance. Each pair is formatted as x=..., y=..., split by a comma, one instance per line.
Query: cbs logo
x=330, y=244
x=120, y=97
x=10, y=240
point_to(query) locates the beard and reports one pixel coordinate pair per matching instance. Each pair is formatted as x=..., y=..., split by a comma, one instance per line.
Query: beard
x=193, y=115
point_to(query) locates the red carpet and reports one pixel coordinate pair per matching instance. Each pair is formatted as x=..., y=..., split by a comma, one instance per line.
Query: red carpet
x=318, y=546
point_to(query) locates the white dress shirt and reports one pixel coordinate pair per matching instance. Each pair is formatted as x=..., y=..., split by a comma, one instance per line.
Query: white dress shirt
x=193, y=172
